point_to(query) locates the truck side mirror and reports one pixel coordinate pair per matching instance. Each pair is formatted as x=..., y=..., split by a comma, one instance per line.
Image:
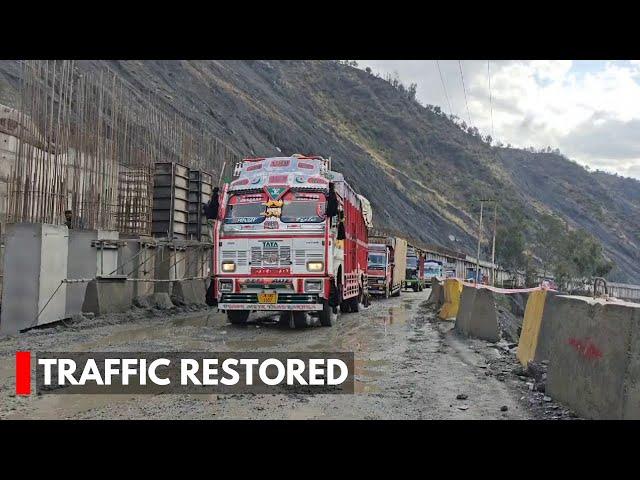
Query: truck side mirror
x=211, y=208
x=332, y=202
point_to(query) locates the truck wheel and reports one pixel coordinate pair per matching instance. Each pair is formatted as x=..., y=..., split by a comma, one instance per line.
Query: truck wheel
x=238, y=317
x=397, y=294
x=415, y=288
x=209, y=297
x=354, y=303
x=285, y=318
x=345, y=306
x=326, y=315
x=300, y=319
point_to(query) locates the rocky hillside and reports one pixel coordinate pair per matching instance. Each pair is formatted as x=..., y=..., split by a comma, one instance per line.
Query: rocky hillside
x=422, y=173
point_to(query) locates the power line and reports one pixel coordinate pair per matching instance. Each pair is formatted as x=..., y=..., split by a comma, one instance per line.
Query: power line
x=444, y=88
x=465, y=92
x=490, y=99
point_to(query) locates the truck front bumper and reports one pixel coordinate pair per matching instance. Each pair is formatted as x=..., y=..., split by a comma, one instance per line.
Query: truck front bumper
x=286, y=302
x=376, y=289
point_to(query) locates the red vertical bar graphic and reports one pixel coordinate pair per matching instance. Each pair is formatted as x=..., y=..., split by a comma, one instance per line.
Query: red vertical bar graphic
x=23, y=373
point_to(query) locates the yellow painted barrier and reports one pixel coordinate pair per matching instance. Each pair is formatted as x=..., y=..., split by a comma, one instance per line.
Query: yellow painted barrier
x=531, y=326
x=452, y=289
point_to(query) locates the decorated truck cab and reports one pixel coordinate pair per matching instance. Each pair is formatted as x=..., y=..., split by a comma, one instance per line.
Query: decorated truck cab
x=415, y=270
x=290, y=237
x=386, y=266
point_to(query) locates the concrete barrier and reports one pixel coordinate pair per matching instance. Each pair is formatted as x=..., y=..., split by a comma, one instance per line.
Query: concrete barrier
x=108, y=295
x=189, y=292
x=477, y=316
x=436, y=293
x=452, y=289
x=531, y=325
x=463, y=318
x=594, y=356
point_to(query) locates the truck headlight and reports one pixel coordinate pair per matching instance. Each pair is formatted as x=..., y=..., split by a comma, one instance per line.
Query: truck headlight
x=225, y=285
x=381, y=281
x=228, y=266
x=313, y=286
x=315, y=266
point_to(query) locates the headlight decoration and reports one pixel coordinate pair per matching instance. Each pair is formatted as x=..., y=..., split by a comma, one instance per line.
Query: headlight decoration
x=315, y=266
x=225, y=285
x=228, y=267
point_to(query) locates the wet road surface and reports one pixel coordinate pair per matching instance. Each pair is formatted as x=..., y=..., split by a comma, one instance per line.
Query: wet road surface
x=407, y=367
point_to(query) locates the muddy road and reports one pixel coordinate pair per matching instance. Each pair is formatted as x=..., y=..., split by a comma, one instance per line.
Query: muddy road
x=408, y=366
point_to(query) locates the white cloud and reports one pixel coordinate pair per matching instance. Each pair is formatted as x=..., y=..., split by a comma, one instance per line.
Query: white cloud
x=590, y=110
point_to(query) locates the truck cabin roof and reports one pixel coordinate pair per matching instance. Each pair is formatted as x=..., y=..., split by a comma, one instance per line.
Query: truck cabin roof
x=297, y=172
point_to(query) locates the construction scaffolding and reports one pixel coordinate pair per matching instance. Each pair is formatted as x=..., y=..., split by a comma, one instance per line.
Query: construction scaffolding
x=87, y=145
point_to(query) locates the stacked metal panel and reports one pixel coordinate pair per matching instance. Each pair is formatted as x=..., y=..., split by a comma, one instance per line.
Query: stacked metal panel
x=170, y=201
x=200, y=189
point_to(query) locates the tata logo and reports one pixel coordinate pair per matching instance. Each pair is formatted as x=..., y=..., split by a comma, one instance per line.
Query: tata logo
x=271, y=244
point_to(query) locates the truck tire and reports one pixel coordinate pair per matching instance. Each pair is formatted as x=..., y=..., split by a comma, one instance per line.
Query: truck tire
x=396, y=294
x=345, y=306
x=210, y=299
x=415, y=288
x=285, y=319
x=300, y=319
x=354, y=303
x=326, y=315
x=238, y=317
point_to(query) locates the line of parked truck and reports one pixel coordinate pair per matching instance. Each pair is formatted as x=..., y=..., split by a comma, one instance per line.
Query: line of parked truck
x=292, y=236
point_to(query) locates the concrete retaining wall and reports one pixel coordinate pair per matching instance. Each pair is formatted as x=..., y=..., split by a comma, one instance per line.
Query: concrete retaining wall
x=594, y=356
x=35, y=263
x=107, y=295
x=477, y=316
x=189, y=292
x=170, y=264
x=85, y=262
x=137, y=260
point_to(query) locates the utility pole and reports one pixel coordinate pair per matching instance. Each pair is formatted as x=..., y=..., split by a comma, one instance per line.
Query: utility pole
x=493, y=248
x=479, y=240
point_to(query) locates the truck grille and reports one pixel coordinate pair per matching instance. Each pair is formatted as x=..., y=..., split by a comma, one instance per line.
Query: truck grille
x=271, y=256
x=304, y=256
x=282, y=298
x=238, y=256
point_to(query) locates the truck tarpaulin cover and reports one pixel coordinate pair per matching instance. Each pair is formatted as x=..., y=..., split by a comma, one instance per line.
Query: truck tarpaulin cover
x=367, y=211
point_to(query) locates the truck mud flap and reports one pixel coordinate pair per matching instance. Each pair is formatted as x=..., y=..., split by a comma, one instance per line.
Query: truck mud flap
x=210, y=299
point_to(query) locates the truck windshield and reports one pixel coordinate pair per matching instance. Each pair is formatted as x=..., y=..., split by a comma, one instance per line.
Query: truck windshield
x=412, y=262
x=376, y=260
x=432, y=271
x=245, y=213
x=305, y=211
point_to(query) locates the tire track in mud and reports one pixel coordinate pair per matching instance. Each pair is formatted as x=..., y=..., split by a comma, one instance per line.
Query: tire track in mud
x=406, y=368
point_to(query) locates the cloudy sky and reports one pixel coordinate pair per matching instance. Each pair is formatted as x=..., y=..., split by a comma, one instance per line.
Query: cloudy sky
x=590, y=110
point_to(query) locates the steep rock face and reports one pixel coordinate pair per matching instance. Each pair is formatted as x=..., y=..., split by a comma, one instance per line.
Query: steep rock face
x=422, y=174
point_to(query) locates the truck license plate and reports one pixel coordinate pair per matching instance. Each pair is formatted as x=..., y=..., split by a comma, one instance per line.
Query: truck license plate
x=268, y=297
